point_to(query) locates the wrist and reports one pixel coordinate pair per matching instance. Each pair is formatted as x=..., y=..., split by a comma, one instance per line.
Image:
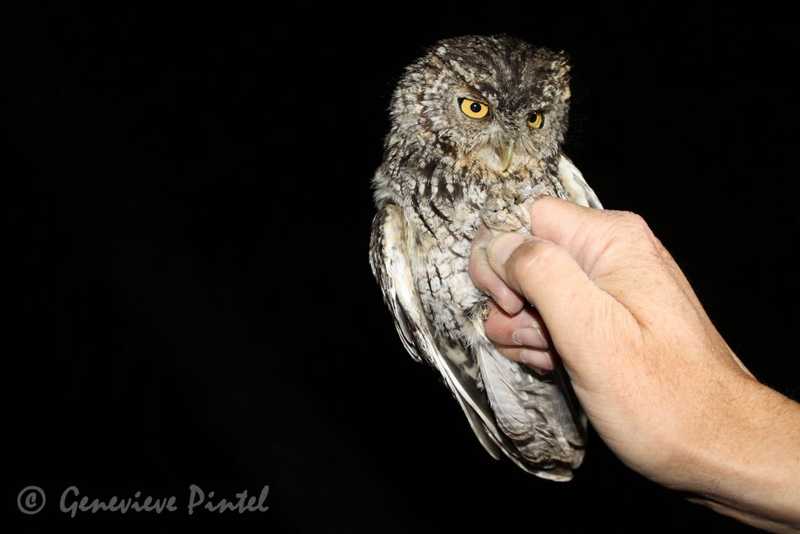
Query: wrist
x=746, y=461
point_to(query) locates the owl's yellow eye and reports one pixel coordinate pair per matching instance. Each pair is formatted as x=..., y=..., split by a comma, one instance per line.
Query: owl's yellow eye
x=536, y=120
x=473, y=109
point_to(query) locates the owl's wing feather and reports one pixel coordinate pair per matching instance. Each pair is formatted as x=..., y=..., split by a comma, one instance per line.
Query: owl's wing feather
x=545, y=436
x=391, y=270
x=578, y=190
x=388, y=259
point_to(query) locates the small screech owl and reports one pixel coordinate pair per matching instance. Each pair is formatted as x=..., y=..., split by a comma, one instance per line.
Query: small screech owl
x=477, y=128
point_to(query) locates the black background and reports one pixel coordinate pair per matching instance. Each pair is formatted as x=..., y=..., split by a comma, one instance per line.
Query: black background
x=189, y=207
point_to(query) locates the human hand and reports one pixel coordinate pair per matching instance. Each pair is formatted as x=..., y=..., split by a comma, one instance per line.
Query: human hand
x=656, y=379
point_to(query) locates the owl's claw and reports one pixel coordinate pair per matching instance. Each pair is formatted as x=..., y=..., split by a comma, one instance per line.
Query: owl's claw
x=479, y=310
x=484, y=311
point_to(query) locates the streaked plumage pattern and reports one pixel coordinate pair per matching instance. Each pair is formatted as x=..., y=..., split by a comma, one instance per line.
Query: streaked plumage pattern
x=444, y=173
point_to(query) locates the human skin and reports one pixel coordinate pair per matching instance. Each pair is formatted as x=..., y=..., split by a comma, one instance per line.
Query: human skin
x=657, y=381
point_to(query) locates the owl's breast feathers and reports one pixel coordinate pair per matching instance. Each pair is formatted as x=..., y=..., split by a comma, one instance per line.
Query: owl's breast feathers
x=443, y=220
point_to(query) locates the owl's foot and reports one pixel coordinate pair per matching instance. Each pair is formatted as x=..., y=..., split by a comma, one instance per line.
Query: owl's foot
x=484, y=311
x=479, y=310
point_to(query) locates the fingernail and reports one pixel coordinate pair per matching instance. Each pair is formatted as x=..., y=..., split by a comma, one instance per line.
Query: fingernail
x=537, y=359
x=530, y=337
x=501, y=247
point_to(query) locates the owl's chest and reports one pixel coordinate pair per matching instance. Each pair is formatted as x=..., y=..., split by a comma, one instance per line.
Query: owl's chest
x=439, y=241
x=440, y=271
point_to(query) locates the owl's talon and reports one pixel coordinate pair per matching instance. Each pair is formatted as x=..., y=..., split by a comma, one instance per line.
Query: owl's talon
x=484, y=311
x=479, y=310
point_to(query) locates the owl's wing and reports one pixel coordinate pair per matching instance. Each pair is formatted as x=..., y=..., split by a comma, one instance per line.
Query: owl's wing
x=578, y=190
x=389, y=262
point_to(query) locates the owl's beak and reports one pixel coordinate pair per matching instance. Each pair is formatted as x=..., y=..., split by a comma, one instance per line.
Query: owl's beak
x=505, y=152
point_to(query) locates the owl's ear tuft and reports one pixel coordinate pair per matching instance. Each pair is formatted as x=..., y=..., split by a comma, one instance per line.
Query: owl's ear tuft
x=560, y=67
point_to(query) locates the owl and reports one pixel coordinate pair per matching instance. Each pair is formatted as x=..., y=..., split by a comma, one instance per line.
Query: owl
x=477, y=125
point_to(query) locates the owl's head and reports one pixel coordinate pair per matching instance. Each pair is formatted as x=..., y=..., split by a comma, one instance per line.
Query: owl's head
x=495, y=101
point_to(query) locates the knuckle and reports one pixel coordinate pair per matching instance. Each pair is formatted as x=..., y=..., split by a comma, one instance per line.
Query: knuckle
x=492, y=327
x=631, y=228
x=497, y=330
x=533, y=258
x=633, y=222
x=510, y=353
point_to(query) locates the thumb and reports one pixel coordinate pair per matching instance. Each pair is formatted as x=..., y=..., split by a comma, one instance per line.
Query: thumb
x=550, y=279
x=583, y=232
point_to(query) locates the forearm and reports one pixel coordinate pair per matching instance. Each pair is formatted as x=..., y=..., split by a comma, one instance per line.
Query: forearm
x=749, y=468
